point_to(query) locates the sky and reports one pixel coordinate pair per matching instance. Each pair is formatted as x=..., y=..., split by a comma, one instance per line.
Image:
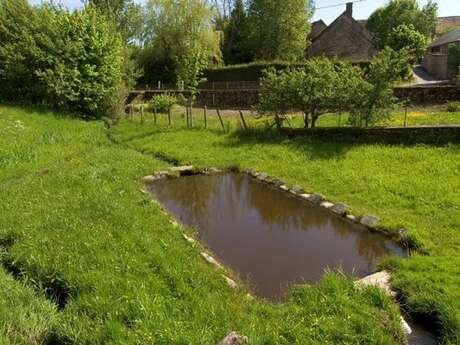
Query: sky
x=361, y=10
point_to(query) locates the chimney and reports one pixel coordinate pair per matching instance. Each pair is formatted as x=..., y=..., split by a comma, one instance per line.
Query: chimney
x=349, y=10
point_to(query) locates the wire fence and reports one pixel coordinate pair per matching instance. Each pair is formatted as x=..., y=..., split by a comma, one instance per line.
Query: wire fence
x=229, y=119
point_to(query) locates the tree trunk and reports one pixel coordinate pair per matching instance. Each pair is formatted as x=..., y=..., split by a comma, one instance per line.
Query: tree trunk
x=305, y=120
x=278, y=121
x=313, y=121
x=314, y=117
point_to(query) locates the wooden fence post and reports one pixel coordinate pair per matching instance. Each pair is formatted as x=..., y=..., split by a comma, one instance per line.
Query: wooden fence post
x=405, y=112
x=155, y=115
x=169, y=117
x=187, y=122
x=205, y=117
x=220, y=119
x=243, y=120
x=191, y=115
x=142, y=113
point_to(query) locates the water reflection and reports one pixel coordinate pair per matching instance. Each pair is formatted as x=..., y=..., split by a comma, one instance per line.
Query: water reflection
x=268, y=236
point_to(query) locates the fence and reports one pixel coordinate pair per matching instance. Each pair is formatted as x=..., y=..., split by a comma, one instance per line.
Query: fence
x=207, y=85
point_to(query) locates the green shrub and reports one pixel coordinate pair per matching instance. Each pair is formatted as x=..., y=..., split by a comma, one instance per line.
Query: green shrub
x=69, y=60
x=453, y=61
x=453, y=107
x=163, y=103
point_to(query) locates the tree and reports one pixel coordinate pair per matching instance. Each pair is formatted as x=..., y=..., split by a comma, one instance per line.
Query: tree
x=222, y=10
x=402, y=12
x=126, y=14
x=234, y=45
x=69, y=60
x=453, y=61
x=373, y=97
x=278, y=29
x=406, y=37
x=182, y=32
x=275, y=95
x=328, y=86
x=323, y=86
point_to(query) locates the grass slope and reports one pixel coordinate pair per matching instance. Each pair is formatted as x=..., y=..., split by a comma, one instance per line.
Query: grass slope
x=89, y=259
x=411, y=187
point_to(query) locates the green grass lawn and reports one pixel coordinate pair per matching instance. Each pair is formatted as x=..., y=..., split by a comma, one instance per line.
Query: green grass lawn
x=413, y=187
x=88, y=258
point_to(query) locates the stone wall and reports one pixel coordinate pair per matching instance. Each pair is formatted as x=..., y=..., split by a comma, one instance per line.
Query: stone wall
x=248, y=98
x=418, y=95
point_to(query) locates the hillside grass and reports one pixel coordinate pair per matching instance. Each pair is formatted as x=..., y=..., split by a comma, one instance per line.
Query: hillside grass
x=88, y=258
x=414, y=187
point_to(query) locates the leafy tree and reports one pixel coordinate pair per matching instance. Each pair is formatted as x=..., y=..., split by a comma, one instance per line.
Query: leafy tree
x=278, y=29
x=402, y=12
x=222, y=10
x=275, y=96
x=324, y=86
x=328, y=86
x=163, y=103
x=373, y=97
x=71, y=60
x=126, y=14
x=453, y=60
x=181, y=33
x=234, y=45
x=406, y=37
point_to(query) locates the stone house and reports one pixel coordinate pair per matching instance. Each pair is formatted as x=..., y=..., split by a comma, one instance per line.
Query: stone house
x=344, y=38
x=445, y=24
x=436, y=59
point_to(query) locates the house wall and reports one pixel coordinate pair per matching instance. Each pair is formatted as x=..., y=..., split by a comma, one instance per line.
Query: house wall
x=436, y=64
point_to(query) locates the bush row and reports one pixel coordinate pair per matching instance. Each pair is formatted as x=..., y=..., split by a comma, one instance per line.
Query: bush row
x=69, y=60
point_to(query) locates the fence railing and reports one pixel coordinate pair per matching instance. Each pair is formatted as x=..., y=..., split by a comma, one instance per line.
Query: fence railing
x=230, y=85
x=207, y=85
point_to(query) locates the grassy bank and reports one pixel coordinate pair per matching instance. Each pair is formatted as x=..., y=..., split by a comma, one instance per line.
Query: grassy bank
x=412, y=187
x=87, y=258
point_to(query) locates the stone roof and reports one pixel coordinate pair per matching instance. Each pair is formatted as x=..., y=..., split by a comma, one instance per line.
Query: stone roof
x=317, y=28
x=345, y=38
x=446, y=23
x=363, y=22
x=443, y=23
x=450, y=37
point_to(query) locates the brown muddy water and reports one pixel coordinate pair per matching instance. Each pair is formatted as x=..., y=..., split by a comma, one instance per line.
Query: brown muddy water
x=270, y=238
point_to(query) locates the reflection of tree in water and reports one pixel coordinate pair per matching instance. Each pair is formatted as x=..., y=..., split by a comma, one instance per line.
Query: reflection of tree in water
x=373, y=246
x=289, y=213
x=189, y=197
x=275, y=207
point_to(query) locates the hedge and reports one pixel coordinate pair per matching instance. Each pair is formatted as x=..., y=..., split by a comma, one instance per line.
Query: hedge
x=251, y=71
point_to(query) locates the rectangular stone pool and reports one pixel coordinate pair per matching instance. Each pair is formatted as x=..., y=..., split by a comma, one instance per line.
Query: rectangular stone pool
x=270, y=238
